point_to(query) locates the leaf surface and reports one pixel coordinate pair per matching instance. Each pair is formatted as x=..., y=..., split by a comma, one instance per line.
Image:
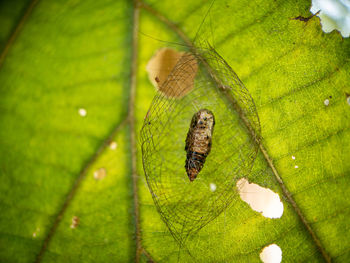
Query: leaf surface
x=78, y=55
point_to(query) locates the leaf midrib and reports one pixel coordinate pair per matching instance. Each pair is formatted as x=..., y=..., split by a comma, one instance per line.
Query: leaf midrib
x=129, y=120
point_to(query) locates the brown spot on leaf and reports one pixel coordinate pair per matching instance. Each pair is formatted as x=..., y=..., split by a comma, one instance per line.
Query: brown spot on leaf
x=162, y=64
x=75, y=222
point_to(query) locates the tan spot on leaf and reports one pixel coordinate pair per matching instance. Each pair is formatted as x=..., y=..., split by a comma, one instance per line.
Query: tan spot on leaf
x=75, y=222
x=163, y=63
x=100, y=173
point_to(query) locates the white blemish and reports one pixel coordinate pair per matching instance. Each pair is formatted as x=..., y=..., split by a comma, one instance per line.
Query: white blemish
x=348, y=100
x=296, y=167
x=326, y=102
x=260, y=199
x=113, y=145
x=82, y=112
x=100, y=173
x=334, y=14
x=271, y=254
x=36, y=232
x=293, y=157
x=75, y=222
x=212, y=187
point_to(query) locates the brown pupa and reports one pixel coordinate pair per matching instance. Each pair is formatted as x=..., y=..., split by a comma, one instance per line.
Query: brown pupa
x=198, y=142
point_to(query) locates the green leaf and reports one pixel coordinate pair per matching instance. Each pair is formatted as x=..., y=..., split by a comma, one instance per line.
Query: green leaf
x=68, y=56
x=66, y=195
x=10, y=14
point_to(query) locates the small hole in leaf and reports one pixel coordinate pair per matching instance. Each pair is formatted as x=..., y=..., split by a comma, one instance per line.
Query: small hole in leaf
x=100, y=173
x=271, y=254
x=260, y=199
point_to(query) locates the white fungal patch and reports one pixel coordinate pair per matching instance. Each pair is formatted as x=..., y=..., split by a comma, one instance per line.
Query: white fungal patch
x=75, y=222
x=296, y=167
x=260, y=199
x=334, y=14
x=326, y=102
x=82, y=112
x=212, y=187
x=271, y=254
x=113, y=145
x=293, y=157
x=100, y=173
x=348, y=100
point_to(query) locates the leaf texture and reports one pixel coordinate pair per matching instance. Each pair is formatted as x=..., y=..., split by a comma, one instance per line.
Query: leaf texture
x=76, y=55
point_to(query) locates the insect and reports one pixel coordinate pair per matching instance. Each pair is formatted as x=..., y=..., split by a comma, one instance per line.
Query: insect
x=198, y=142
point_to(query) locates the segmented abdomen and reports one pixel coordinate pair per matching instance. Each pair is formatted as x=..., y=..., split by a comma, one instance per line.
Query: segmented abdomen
x=198, y=142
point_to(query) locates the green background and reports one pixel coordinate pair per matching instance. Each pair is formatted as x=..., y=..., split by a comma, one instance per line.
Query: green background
x=67, y=55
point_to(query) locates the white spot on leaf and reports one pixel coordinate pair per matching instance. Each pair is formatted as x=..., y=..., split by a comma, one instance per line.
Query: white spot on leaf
x=293, y=157
x=113, y=145
x=296, y=167
x=348, y=100
x=82, y=112
x=271, y=254
x=326, y=102
x=260, y=199
x=36, y=232
x=212, y=187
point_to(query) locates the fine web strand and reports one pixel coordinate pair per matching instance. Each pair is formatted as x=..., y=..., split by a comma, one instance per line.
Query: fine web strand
x=186, y=206
x=180, y=202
